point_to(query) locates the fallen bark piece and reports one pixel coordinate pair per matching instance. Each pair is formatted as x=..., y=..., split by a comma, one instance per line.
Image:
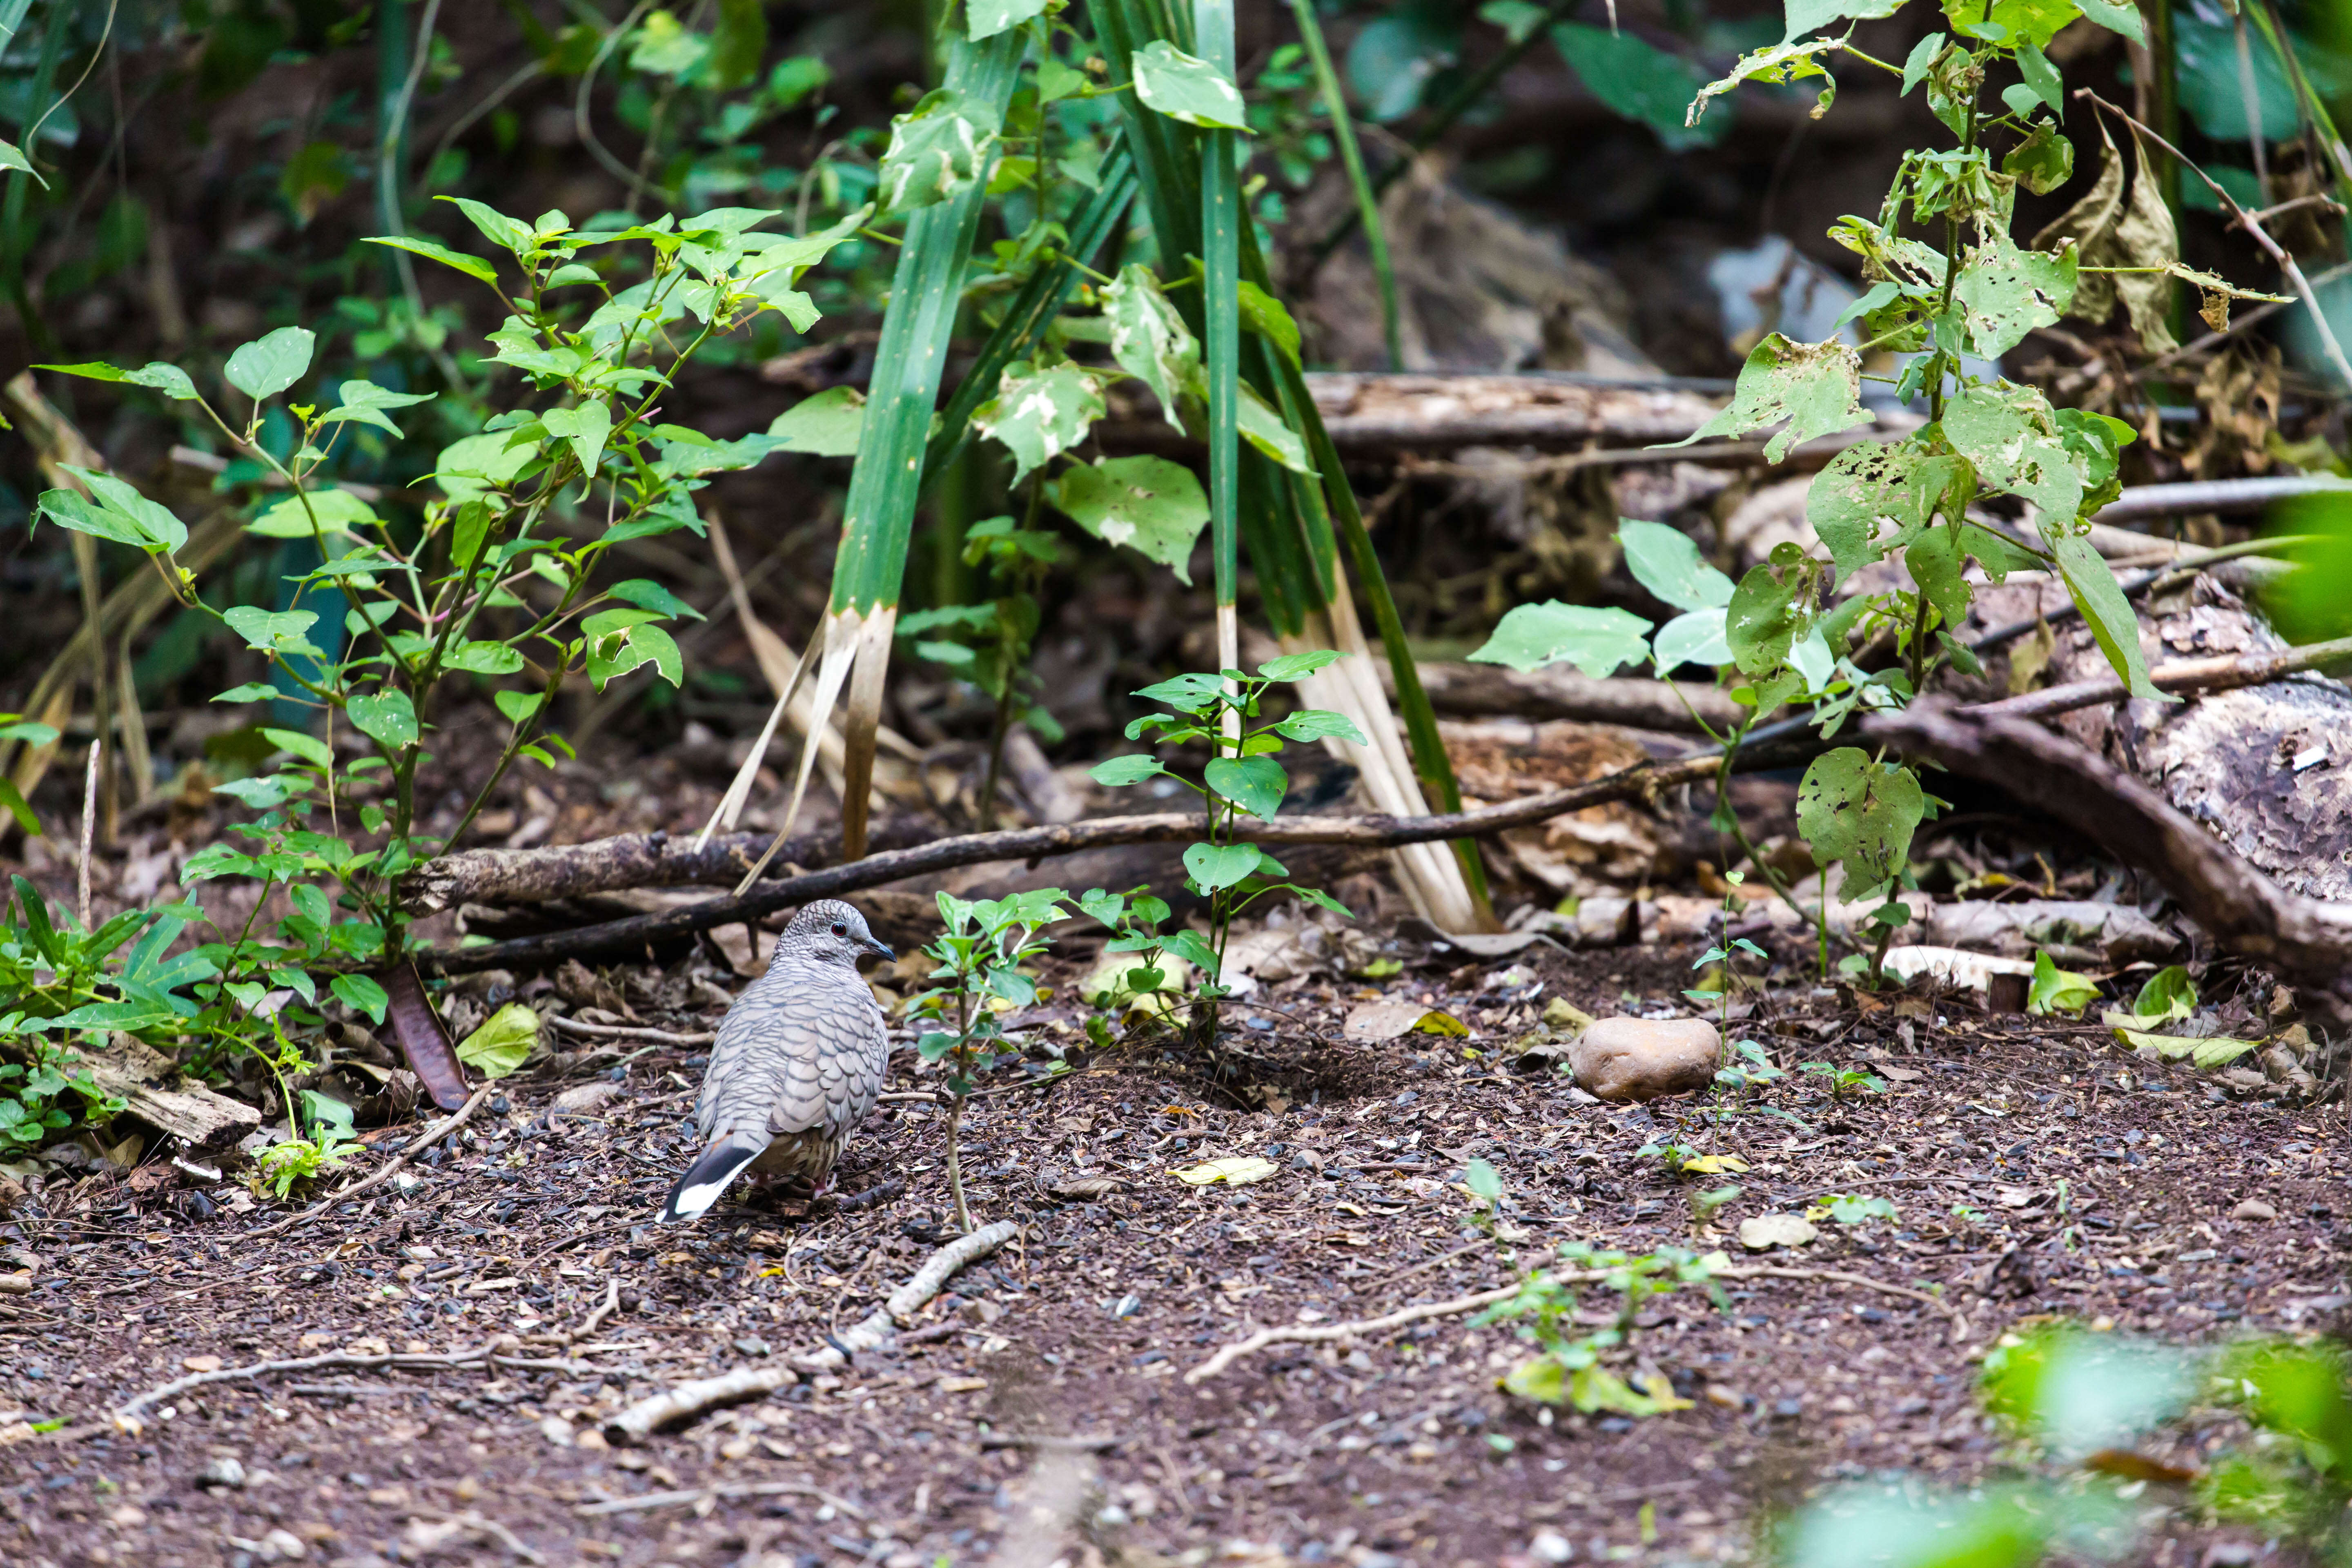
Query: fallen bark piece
x=1763, y=1232
x=1966, y=971
x=2117, y=933
x=637, y=1422
x=153, y=1093
x=1641, y=1058
x=2265, y=768
x=2196, y=677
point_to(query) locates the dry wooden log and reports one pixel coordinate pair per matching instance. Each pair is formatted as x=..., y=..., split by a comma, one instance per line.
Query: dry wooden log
x=153, y=1093
x=1485, y=690
x=1374, y=832
x=2308, y=941
x=630, y=860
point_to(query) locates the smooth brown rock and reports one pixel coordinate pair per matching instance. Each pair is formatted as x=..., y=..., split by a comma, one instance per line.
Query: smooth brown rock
x=1641, y=1058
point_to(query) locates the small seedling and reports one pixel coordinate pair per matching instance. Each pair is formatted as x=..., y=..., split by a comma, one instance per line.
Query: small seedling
x=980, y=955
x=1848, y=1208
x=1843, y=1081
x=1750, y=1067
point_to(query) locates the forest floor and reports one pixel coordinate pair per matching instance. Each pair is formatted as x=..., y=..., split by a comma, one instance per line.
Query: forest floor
x=2037, y=1169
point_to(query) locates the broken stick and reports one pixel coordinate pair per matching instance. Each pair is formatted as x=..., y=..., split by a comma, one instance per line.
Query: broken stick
x=640, y=1420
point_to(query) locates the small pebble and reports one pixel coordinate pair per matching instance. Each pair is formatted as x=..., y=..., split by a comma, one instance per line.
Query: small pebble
x=2254, y=1209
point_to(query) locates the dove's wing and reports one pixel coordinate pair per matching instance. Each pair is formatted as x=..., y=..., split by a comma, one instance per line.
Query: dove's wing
x=800, y=1051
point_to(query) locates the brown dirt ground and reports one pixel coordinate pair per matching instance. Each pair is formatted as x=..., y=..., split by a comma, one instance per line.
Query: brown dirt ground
x=2098, y=1188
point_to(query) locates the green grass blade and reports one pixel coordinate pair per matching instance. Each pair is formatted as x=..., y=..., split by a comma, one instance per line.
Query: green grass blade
x=1038, y=301
x=925, y=293
x=1220, y=221
x=1368, y=204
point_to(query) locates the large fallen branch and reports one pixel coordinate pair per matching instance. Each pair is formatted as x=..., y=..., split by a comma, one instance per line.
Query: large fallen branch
x=1776, y=746
x=2307, y=941
x=1486, y=690
x=627, y=860
x=1368, y=832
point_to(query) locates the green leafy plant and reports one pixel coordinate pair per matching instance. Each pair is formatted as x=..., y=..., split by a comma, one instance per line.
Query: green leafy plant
x=1776, y=636
x=1239, y=779
x=1136, y=919
x=499, y=588
x=1851, y=1208
x=980, y=978
x=1576, y=1368
x=294, y=1160
x=1843, y=1081
x=1751, y=1066
x=2165, y=995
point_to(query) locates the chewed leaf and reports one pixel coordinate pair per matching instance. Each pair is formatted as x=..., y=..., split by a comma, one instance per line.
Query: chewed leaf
x=937, y=148
x=1781, y=62
x=2204, y=1051
x=1148, y=504
x=2008, y=433
x=1184, y=87
x=1815, y=387
x=1596, y=640
x=1039, y=414
x=1895, y=483
x=2007, y=292
x=1149, y=338
x=1853, y=808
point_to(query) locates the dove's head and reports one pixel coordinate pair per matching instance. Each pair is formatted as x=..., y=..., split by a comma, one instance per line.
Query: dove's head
x=830, y=931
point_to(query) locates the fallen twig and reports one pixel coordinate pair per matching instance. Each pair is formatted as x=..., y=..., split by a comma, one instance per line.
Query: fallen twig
x=126, y=1417
x=684, y=1497
x=637, y=1422
x=432, y=1135
x=2191, y=676
x=1320, y=1332
x=628, y=1032
x=1048, y=1443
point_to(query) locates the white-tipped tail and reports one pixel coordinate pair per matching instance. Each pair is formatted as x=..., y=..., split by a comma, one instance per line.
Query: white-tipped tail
x=712, y=1172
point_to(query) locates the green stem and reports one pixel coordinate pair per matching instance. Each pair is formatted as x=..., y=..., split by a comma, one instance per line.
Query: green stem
x=955, y=1165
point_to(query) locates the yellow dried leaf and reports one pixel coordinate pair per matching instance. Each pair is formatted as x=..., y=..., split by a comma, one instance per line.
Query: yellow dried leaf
x=1238, y=1171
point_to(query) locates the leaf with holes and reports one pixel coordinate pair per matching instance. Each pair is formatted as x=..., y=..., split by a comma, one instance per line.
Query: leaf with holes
x=2010, y=435
x=1761, y=623
x=1040, y=412
x=937, y=149
x=1596, y=640
x=1149, y=338
x=1815, y=387
x=1256, y=785
x=1148, y=504
x=2007, y=292
x=1871, y=483
x=1184, y=87
x=1862, y=811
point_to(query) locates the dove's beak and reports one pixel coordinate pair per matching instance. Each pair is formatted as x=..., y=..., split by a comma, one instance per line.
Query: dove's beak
x=880, y=949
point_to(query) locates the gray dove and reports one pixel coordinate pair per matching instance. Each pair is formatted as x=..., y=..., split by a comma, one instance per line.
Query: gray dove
x=798, y=1062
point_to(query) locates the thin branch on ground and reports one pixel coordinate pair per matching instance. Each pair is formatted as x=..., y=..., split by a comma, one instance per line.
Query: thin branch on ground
x=1323, y=1333
x=628, y=1032
x=729, y=1491
x=432, y=1135
x=637, y=1422
x=126, y=1417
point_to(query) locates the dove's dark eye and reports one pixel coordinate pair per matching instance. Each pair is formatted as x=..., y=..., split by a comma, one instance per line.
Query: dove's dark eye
x=840, y=929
